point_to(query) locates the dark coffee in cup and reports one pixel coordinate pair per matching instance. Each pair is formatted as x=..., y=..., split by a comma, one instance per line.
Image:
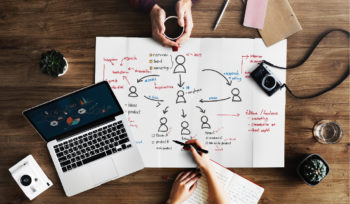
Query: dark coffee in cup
x=172, y=28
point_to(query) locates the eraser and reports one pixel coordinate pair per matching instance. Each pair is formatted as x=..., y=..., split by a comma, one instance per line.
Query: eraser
x=255, y=14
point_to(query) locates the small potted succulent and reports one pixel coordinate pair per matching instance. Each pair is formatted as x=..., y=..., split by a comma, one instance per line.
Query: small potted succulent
x=313, y=169
x=53, y=63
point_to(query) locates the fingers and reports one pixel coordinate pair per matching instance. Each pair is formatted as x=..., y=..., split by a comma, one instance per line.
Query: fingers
x=192, y=184
x=163, y=40
x=158, y=27
x=179, y=176
x=188, y=28
x=193, y=187
x=158, y=34
x=193, y=174
x=195, y=141
x=161, y=26
x=189, y=178
x=185, y=175
x=180, y=14
x=195, y=154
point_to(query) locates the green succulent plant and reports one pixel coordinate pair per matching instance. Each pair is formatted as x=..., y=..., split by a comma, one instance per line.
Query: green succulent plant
x=314, y=170
x=52, y=63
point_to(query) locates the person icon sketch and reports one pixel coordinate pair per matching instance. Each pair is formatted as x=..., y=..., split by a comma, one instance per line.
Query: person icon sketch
x=185, y=130
x=180, y=97
x=180, y=68
x=133, y=90
x=235, y=95
x=205, y=124
x=163, y=127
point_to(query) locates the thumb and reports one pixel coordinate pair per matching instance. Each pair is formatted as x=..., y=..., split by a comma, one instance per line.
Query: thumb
x=180, y=14
x=161, y=20
x=194, y=186
x=195, y=154
x=161, y=27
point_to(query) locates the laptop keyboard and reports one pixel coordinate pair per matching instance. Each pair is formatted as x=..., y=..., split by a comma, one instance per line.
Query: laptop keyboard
x=92, y=146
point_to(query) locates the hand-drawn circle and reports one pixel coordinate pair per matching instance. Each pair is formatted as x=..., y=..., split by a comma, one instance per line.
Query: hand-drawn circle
x=132, y=89
x=204, y=119
x=184, y=124
x=180, y=93
x=235, y=91
x=180, y=59
x=163, y=120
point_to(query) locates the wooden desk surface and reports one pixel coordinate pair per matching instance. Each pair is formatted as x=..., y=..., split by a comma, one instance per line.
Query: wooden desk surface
x=28, y=28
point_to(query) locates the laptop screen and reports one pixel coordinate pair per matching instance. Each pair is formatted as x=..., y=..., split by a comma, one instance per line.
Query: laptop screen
x=74, y=111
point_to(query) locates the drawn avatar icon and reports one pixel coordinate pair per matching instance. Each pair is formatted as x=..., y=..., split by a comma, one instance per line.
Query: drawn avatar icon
x=133, y=90
x=180, y=97
x=180, y=68
x=205, y=124
x=185, y=130
x=235, y=95
x=163, y=127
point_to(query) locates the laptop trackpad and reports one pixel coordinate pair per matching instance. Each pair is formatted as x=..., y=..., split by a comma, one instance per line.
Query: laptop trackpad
x=102, y=171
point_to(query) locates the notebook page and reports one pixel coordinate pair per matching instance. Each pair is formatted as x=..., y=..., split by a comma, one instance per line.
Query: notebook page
x=200, y=195
x=238, y=189
x=243, y=191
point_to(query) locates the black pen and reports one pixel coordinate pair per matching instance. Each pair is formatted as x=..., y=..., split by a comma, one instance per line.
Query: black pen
x=193, y=145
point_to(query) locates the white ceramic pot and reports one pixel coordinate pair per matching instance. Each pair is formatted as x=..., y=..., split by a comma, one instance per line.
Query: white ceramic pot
x=65, y=69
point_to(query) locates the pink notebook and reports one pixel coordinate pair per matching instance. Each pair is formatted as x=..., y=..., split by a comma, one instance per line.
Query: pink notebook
x=255, y=14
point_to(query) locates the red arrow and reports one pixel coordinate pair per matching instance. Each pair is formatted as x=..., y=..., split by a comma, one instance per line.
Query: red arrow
x=125, y=78
x=234, y=115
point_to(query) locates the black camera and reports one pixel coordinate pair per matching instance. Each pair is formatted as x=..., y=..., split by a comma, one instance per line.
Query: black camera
x=266, y=79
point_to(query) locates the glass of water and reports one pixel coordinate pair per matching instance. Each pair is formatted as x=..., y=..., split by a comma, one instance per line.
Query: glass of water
x=327, y=132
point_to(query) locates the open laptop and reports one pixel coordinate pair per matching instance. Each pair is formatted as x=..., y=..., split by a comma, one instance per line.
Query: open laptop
x=88, y=137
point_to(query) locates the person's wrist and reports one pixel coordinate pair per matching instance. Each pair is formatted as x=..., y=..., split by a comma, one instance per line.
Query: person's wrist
x=207, y=169
x=170, y=201
x=186, y=1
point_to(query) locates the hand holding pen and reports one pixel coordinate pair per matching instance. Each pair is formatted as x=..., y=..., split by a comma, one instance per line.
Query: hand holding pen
x=188, y=145
x=202, y=159
x=187, y=180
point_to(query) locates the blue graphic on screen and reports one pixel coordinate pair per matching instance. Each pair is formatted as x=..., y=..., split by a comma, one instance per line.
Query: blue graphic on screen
x=74, y=111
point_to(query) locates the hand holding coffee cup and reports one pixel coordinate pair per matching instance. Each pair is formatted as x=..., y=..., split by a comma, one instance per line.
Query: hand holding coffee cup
x=168, y=33
x=173, y=30
x=184, y=14
x=158, y=27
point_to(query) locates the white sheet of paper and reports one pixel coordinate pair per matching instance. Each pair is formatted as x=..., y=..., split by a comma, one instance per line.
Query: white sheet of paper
x=203, y=91
x=238, y=189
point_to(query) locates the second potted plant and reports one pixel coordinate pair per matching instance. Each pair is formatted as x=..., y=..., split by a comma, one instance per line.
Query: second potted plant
x=313, y=169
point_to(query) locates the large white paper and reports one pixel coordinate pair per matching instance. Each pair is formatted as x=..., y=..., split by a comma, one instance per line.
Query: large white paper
x=203, y=91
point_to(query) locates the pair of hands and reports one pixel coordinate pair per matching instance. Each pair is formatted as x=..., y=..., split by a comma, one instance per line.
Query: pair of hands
x=184, y=14
x=186, y=182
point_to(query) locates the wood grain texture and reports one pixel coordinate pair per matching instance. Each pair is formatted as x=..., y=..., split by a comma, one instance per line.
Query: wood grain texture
x=30, y=27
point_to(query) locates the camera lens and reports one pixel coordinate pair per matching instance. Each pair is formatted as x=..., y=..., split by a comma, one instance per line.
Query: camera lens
x=269, y=82
x=26, y=180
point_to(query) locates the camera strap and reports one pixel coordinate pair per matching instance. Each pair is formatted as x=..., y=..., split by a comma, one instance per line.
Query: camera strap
x=333, y=86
